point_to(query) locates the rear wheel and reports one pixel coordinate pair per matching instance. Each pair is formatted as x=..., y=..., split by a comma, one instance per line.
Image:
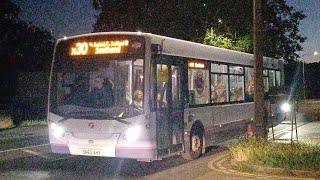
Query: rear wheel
x=196, y=144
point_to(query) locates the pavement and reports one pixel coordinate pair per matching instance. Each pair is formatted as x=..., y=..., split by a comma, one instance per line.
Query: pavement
x=307, y=131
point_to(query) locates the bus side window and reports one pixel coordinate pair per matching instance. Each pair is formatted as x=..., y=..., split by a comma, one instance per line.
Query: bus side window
x=199, y=86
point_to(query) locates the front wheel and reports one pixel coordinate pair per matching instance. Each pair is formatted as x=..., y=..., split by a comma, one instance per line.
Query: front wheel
x=196, y=144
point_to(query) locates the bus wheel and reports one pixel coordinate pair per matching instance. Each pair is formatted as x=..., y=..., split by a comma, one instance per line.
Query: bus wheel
x=196, y=144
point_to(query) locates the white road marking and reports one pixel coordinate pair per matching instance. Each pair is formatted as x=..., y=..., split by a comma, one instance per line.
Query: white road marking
x=27, y=147
x=35, y=153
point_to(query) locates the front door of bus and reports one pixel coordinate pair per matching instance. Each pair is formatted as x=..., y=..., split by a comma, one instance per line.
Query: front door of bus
x=170, y=101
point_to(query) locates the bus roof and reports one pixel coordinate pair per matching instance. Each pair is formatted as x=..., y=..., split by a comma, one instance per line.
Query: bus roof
x=183, y=48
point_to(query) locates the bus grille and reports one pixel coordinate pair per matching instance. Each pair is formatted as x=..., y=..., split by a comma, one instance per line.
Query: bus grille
x=92, y=136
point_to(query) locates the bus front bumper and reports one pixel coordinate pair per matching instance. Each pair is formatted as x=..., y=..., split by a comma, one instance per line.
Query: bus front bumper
x=137, y=150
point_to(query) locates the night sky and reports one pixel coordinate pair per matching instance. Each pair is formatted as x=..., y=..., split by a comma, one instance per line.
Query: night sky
x=71, y=17
x=309, y=27
x=61, y=17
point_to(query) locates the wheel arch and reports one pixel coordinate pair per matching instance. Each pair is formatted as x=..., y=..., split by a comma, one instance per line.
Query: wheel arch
x=197, y=125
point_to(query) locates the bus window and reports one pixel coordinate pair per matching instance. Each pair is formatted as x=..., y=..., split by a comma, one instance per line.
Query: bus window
x=266, y=83
x=235, y=70
x=278, y=78
x=249, y=80
x=219, y=68
x=199, y=85
x=219, y=83
x=176, y=98
x=236, y=83
x=219, y=88
x=236, y=88
x=272, y=78
x=162, y=83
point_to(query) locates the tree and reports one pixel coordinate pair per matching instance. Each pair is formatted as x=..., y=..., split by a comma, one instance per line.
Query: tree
x=23, y=47
x=179, y=19
x=243, y=44
x=218, y=40
x=8, y=16
x=191, y=21
x=312, y=78
x=281, y=28
x=259, y=119
x=282, y=39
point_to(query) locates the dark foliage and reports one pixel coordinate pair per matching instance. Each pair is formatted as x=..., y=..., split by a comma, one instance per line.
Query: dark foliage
x=23, y=48
x=312, y=80
x=189, y=20
x=295, y=83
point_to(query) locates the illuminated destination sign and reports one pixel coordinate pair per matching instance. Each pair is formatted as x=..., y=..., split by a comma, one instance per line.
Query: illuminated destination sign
x=99, y=47
x=196, y=65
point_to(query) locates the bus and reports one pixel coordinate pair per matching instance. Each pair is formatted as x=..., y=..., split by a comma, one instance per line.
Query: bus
x=147, y=97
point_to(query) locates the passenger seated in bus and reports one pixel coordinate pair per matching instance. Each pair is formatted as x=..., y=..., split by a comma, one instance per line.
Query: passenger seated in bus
x=138, y=100
x=249, y=91
x=102, y=93
x=219, y=93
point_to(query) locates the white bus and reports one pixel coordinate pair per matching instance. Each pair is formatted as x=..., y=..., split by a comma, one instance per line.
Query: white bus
x=147, y=97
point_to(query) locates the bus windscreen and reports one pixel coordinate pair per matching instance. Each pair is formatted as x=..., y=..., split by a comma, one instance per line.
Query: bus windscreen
x=97, y=74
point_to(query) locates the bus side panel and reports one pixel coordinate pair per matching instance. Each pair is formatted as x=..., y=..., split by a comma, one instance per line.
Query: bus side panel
x=220, y=120
x=232, y=112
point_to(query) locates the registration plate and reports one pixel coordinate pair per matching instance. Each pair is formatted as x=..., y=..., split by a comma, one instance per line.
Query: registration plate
x=91, y=152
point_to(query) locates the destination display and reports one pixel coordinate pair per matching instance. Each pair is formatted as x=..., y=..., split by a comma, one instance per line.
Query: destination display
x=99, y=47
x=196, y=65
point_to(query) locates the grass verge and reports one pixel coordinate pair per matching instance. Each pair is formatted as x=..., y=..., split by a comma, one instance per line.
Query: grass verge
x=288, y=157
x=7, y=123
x=33, y=122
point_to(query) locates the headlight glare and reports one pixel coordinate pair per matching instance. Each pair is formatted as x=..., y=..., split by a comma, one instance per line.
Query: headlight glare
x=132, y=133
x=285, y=107
x=57, y=131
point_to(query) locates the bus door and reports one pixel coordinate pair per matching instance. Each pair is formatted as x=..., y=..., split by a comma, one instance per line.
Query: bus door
x=170, y=101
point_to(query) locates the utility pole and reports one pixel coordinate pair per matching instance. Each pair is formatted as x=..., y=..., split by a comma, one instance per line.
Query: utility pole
x=304, y=81
x=260, y=122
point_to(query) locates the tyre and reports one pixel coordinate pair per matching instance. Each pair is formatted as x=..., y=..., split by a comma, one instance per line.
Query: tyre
x=196, y=145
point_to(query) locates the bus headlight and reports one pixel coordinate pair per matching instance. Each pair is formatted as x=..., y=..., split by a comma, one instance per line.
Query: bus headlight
x=57, y=131
x=285, y=107
x=132, y=133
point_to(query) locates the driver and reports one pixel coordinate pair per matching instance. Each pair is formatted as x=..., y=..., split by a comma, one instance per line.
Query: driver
x=102, y=92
